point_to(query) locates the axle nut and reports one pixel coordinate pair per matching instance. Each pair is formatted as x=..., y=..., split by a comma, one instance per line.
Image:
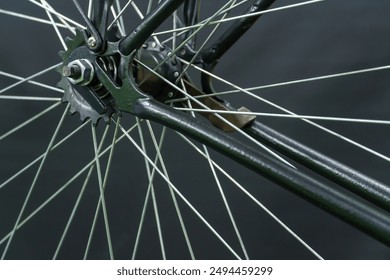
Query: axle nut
x=85, y=72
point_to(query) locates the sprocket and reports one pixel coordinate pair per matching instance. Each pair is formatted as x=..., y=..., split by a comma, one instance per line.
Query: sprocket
x=73, y=93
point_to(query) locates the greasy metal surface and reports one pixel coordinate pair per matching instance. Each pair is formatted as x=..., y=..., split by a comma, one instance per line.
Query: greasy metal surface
x=339, y=202
x=83, y=99
x=190, y=17
x=129, y=98
x=239, y=121
x=148, y=25
x=212, y=54
x=153, y=55
x=99, y=17
x=355, y=181
x=97, y=26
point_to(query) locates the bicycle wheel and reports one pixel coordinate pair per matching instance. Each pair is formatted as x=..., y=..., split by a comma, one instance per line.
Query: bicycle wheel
x=67, y=193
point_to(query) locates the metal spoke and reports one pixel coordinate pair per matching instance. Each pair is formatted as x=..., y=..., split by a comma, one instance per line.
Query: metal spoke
x=30, y=120
x=149, y=8
x=175, y=24
x=31, y=18
x=269, y=11
x=58, y=14
x=255, y=200
x=217, y=115
x=202, y=47
x=74, y=210
x=121, y=21
x=111, y=155
x=40, y=73
x=116, y=139
x=140, y=226
x=365, y=148
x=37, y=174
x=151, y=187
x=158, y=165
x=306, y=80
x=226, y=203
x=30, y=82
x=102, y=196
x=54, y=25
x=141, y=222
x=182, y=44
x=184, y=29
x=309, y=117
x=120, y=25
x=77, y=203
x=66, y=185
x=119, y=15
x=224, y=199
x=28, y=166
x=180, y=195
x=70, y=28
x=89, y=12
x=29, y=98
x=173, y=196
x=139, y=13
x=195, y=26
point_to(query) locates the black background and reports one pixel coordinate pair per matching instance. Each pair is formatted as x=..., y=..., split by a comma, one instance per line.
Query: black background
x=319, y=39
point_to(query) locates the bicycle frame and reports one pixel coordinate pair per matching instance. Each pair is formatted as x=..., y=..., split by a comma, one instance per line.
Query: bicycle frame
x=367, y=208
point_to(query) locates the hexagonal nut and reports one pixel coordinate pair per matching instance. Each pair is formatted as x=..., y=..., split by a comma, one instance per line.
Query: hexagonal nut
x=87, y=72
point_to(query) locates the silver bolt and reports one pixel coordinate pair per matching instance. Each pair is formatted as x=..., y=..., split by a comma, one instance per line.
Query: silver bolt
x=92, y=42
x=79, y=72
x=154, y=44
x=71, y=71
x=170, y=94
x=176, y=74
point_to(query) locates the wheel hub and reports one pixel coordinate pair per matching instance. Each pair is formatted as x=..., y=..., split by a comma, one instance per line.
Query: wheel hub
x=153, y=55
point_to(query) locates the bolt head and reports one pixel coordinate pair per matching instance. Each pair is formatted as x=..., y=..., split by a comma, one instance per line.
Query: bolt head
x=81, y=72
x=71, y=71
x=66, y=72
x=92, y=42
